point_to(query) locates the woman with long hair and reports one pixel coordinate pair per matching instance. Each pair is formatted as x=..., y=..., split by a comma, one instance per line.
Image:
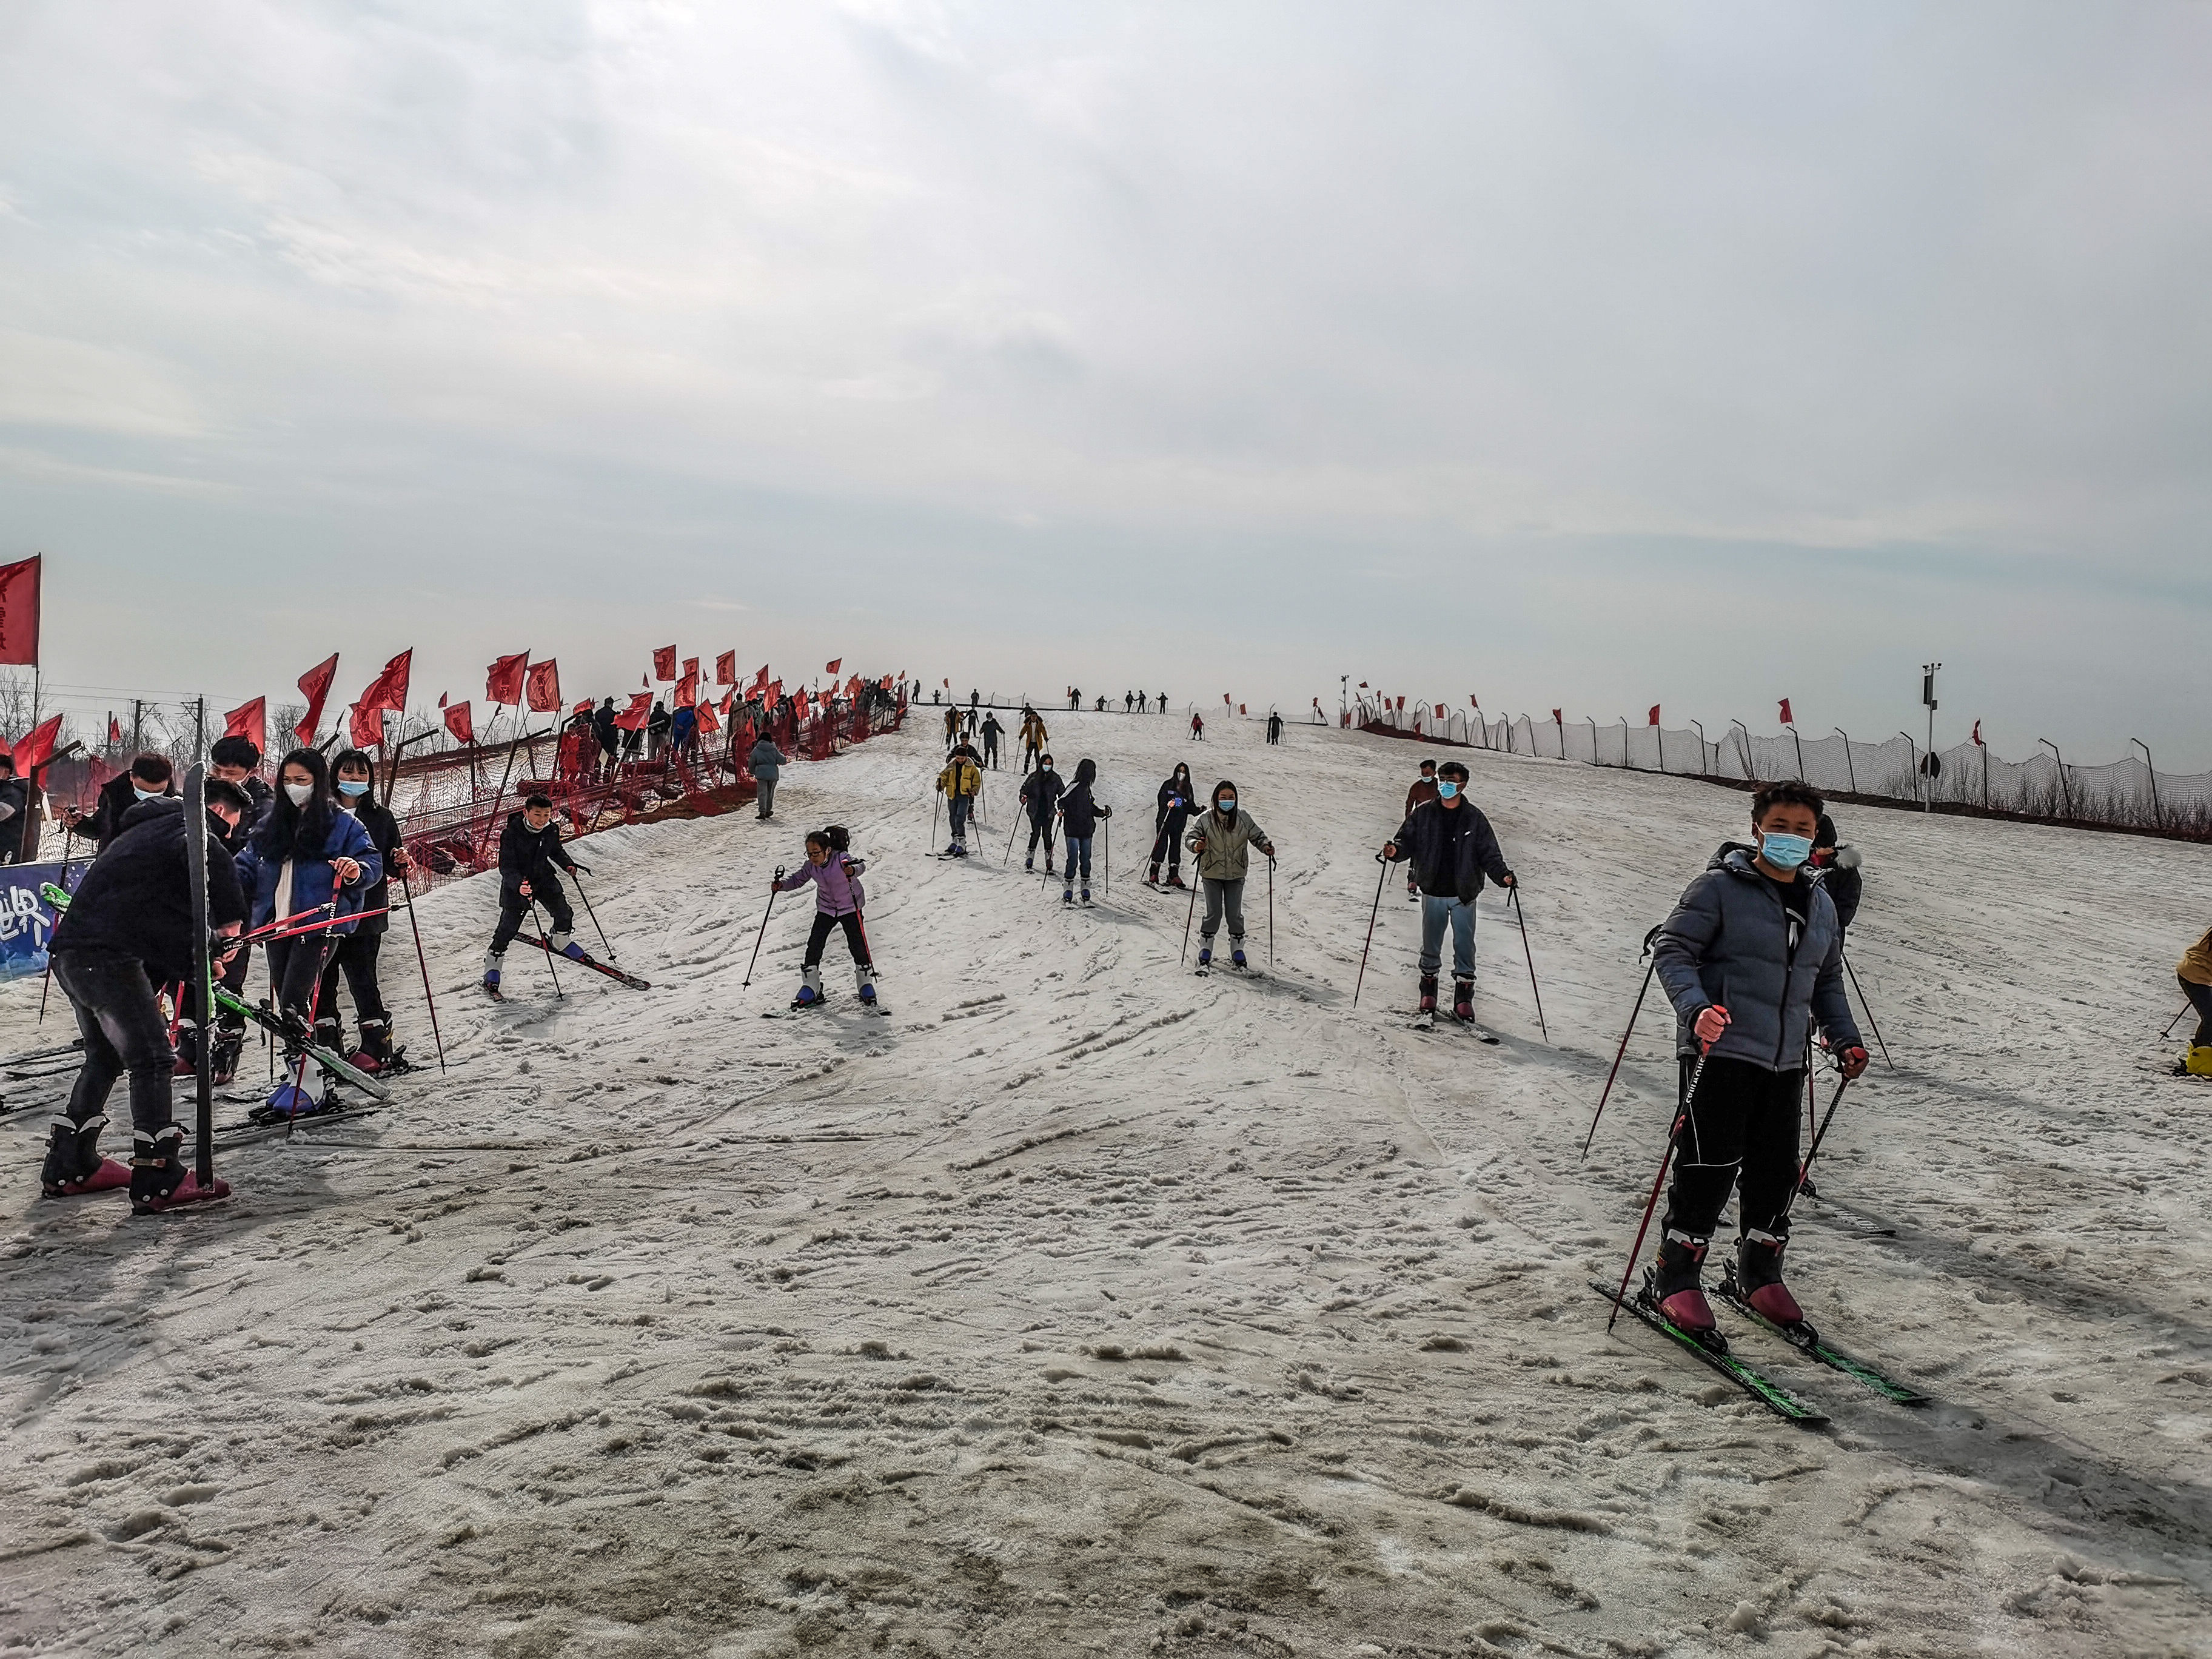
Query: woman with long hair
x=357, y=952
x=306, y=859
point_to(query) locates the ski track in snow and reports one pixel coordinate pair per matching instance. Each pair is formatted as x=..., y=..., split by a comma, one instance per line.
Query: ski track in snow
x=1084, y=1306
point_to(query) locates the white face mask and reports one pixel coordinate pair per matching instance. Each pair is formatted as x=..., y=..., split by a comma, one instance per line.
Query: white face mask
x=298, y=793
x=145, y=795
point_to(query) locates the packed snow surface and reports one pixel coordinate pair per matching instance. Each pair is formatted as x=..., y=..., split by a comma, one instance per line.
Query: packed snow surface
x=1084, y=1306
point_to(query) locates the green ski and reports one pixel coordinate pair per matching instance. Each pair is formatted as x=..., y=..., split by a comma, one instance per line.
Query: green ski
x=1769, y=1393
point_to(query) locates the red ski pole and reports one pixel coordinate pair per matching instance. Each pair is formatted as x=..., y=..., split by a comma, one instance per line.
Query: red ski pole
x=1651, y=1203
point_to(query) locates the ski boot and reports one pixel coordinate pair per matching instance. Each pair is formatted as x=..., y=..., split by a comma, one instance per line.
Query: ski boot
x=329, y=1034
x=288, y=1100
x=1067, y=895
x=564, y=944
x=1428, y=994
x=229, y=1046
x=159, y=1177
x=809, y=988
x=493, y=962
x=1029, y=864
x=1152, y=875
x=864, y=983
x=1755, y=1276
x=1463, y=1001
x=188, y=1049
x=1175, y=878
x=1086, y=896
x=74, y=1164
x=1672, y=1285
x=1206, y=953
x=375, y=1053
x=1237, y=952
x=2198, y=1062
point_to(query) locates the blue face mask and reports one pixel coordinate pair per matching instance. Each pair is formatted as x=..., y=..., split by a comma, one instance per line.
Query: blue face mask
x=1784, y=852
x=1225, y=806
x=1447, y=789
x=350, y=786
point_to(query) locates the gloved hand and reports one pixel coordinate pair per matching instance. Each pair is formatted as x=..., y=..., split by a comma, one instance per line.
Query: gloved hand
x=580, y=869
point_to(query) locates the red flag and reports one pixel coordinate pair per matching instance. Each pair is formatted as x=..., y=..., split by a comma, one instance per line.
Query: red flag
x=37, y=748
x=367, y=730
x=388, y=689
x=583, y=708
x=726, y=669
x=315, y=686
x=664, y=663
x=798, y=702
x=1402, y=703
x=248, y=720
x=19, y=614
x=1556, y=720
x=544, y=687
x=773, y=694
x=1655, y=715
x=1442, y=711
x=503, y=679
x=1788, y=719
x=1977, y=734
x=633, y=718
x=460, y=723
x=114, y=733
x=948, y=685
x=728, y=697
x=690, y=666
x=708, y=724
x=687, y=689
x=761, y=678
x=833, y=663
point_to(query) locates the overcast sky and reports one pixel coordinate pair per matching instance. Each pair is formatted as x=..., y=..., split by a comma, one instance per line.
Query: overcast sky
x=1564, y=355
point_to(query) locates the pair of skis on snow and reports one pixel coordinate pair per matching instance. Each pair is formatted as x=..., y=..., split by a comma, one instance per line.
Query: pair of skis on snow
x=1773, y=1395
x=585, y=960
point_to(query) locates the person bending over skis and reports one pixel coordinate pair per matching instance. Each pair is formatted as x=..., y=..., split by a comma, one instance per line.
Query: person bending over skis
x=1450, y=847
x=1177, y=798
x=1751, y=957
x=129, y=925
x=530, y=854
x=2194, y=970
x=838, y=898
x=1220, y=841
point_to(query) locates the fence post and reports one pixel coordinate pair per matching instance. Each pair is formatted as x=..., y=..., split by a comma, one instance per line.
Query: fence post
x=2157, y=813
x=1849, y=770
x=2065, y=795
x=1912, y=748
x=137, y=721
x=1743, y=746
x=1701, y=745
x=1800, y=742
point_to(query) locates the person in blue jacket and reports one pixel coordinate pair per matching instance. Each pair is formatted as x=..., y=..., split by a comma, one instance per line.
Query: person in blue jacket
x=306, y=859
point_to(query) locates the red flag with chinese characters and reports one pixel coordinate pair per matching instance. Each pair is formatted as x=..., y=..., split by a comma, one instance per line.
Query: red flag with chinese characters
x=389, y=689
x=37, y=747
x=687, y=689
x=726, y=669
x=248, y=720
x=633, y=718
x=19, y=613
x=460, y=723
x=1788, y=719
x=833, y=666
x=1655, y=715
x=664, y=663
x=315, y=687
x=544, y=688
x=503, y=679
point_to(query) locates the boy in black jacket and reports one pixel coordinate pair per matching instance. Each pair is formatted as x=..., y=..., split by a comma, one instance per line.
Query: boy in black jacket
x=128, y=925
x=1452, y=847
x=529, y=851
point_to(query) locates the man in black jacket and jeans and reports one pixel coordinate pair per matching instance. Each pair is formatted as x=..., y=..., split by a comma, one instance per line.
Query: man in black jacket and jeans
x=128, y=925
x=1452, y=847
x=530, y=851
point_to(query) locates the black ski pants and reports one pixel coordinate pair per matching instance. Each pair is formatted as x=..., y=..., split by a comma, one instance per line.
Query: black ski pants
x=123, y=1032
x=296, y=973
x=1041, y=830
x=855, y=936
x=990, y=752
x=512, y=908
x=1740, y=1134
x=356, y=957
x=2200, y=999
x=1167, y=847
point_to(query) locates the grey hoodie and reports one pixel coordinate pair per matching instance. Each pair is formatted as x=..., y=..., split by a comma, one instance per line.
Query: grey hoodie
x=1732, y=942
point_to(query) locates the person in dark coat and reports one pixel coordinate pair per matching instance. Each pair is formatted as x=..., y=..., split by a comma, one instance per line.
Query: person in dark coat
x=1752, y=958
x=529, y=856
x=149, y=777
x=1837, y=868
x=1176, y=802
x=992, y=732
x=128, y=926
x=1450, y=848
x=656, y=730
x=1041, y=792
x=1078, y=821
x=603, y=728
x=237, y=761
x=14, y=811
x=1423, y=788
x=357, y=955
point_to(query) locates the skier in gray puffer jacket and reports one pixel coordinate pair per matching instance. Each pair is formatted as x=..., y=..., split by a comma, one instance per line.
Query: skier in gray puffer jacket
x=766, y=764
x=1752, y=958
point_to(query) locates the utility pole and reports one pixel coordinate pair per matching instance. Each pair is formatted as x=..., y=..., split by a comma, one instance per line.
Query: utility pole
x=138, y=722
x=199, y=731
x=1927, y=672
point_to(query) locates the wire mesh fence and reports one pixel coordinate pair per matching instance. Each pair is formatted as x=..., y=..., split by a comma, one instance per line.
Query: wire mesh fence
x=1965, y=778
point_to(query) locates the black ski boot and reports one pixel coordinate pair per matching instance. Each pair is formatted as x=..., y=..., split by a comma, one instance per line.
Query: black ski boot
x=1755, y=1276
x=160, y=1177
x=1428, y=994
x=1675, y=1287
x=229, y=1045
x=375, y=1053
x=74, y=1165
x=188, y=1049
x=330, y=1034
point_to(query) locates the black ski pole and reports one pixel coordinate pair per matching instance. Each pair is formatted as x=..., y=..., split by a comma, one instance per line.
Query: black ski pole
x=1106, y=861
x=1383, y=875
x=1813, y=1151
x=424, y=962
x=1529, y=957
x=604, y=944
x=1868, y=1006
x=538, y=922
x=1617, y=1055
x=1689, y=1097
x=1007, y=857
x=770, y=911
x=1270, y=912
x=2162, y=1036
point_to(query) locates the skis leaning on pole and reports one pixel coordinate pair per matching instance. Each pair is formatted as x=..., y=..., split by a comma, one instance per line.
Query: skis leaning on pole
x=1808, y=1342
x=1762, y=1388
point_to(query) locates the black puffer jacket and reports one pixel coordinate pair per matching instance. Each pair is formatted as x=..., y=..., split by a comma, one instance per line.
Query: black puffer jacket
x=118, y=796
x=1040, y=793
x=1078, y=813
x=383, y=830
x=137, y=898
x=1423, y=838
x=527, y=854
x=1176, y=802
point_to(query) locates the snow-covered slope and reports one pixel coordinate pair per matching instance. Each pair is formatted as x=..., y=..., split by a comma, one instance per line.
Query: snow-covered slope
x=1084, y=1305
